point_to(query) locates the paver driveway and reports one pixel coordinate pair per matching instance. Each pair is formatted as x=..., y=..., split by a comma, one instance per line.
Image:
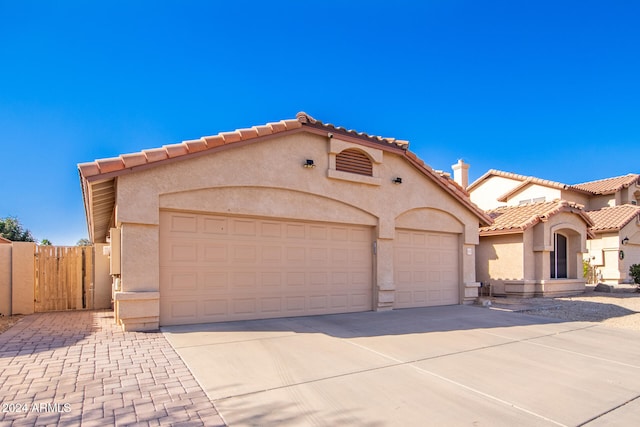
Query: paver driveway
x=435, y=366
x=78, y=368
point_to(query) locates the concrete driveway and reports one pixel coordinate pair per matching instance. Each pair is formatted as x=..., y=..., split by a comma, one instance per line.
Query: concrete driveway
x=452, y=365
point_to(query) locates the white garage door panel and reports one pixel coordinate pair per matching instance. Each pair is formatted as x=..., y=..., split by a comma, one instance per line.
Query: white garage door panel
x=215, y=268
x=426, y=269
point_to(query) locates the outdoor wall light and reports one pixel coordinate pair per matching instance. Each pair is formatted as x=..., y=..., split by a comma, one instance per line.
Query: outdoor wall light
x=625, y=240
x=309, y=164
x=397, y=180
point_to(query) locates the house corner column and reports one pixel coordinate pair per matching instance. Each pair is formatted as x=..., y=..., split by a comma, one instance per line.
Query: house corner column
x=137, y=302
x=385, y=288
x=470, y=291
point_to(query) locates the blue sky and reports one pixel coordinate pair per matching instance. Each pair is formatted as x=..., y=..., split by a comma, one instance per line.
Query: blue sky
x=544, y=88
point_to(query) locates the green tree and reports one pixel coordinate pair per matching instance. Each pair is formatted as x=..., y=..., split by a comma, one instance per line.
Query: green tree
x=45, y=242
x=84, y=242
x=10, y=228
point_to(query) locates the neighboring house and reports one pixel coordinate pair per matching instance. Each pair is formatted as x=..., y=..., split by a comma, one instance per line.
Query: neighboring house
x=534, y=249
x=610, y=203
x=616, y=245
x=3, y=240
x=497, y=188
x=291, y=218
x=611, y=192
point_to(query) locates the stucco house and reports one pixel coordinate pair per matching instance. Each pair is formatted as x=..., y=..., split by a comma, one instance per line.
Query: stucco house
x=5, y=241
x=534, y=249
x=611, y=204
x=498, y=188
x=291, y=218
x=616, y=243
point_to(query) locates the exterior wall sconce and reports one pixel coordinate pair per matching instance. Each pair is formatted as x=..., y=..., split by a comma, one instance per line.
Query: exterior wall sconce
x=309, y=164
x=397, y=180
x=625, y=240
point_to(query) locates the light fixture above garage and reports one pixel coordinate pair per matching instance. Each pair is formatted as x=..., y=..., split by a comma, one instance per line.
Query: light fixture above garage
x=397, y=180
x=625, y=240
x=309, y=164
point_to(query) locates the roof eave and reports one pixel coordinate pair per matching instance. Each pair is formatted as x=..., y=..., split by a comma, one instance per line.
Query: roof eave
x=501, y=232
x=465, y=200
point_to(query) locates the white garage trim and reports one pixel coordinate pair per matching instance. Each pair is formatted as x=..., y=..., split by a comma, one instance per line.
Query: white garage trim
x=426, y=268
x=221, y=268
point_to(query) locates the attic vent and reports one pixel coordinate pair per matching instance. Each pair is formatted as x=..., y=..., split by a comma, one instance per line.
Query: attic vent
x=354, y=161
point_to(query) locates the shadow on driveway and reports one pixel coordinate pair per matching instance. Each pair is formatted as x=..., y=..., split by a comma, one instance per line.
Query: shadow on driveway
x=368, y=324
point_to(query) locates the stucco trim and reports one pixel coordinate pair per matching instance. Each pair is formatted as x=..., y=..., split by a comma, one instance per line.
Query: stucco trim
x=353, y=177
x=405, y=220
x=175, y=202
x=337, y=146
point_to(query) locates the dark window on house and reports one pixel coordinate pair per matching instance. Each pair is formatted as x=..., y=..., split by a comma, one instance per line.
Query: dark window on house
x=354, y=161
x=559, y=257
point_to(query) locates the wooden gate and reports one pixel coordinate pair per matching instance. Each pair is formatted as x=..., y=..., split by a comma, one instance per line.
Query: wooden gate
x=62, y=277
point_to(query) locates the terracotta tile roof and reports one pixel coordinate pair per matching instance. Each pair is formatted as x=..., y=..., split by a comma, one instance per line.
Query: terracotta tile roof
x=99, y=205
x=531, y=181
x=525, y=181
x=609, y=185
x=125, y=162
x=517, y=177
x=516, y=219
x=603, y=186
x=613, y=218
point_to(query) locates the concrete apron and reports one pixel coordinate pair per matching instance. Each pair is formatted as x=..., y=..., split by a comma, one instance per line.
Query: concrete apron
x=453, y=365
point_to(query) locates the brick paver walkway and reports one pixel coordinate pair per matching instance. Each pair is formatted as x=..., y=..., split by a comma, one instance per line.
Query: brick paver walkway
x=78, y=368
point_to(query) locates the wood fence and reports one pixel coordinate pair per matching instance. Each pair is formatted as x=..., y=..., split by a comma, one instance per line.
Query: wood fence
x=62, y=278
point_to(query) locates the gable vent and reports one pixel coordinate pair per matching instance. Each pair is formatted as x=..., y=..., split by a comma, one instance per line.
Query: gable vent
x=354, y=161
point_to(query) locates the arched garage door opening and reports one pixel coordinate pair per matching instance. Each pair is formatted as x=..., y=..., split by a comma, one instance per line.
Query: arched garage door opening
x=426, y=268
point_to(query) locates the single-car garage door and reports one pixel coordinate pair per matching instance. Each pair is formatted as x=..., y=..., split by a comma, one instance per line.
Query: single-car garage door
x=426, y=268
x=220, y=268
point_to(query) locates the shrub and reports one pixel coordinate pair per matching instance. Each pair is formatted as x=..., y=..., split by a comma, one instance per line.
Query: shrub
x=634, y=271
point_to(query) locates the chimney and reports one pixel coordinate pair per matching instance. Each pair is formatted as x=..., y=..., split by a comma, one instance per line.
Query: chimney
x=461, y=173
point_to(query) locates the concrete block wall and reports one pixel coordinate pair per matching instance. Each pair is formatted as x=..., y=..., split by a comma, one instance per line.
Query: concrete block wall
x=5, y=279
x=22, y=274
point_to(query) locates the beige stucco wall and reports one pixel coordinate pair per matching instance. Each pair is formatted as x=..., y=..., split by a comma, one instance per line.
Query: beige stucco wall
x=604, y=253
x=486, y=193
x=267, y=179
x=628, y=195
x=599, y=202
x=276, y=166
x=576, y=197
x=101, y=278
x=5, y=279
x=22, y=275
x=499, y=259
x=631, y=249
x=534, y=192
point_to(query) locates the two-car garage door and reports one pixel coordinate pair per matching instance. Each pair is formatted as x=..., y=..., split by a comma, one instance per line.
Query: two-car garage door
x=220, y=268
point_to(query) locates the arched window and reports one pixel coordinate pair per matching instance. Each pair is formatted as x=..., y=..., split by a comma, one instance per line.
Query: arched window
x=354, y=161
x=559, y=257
